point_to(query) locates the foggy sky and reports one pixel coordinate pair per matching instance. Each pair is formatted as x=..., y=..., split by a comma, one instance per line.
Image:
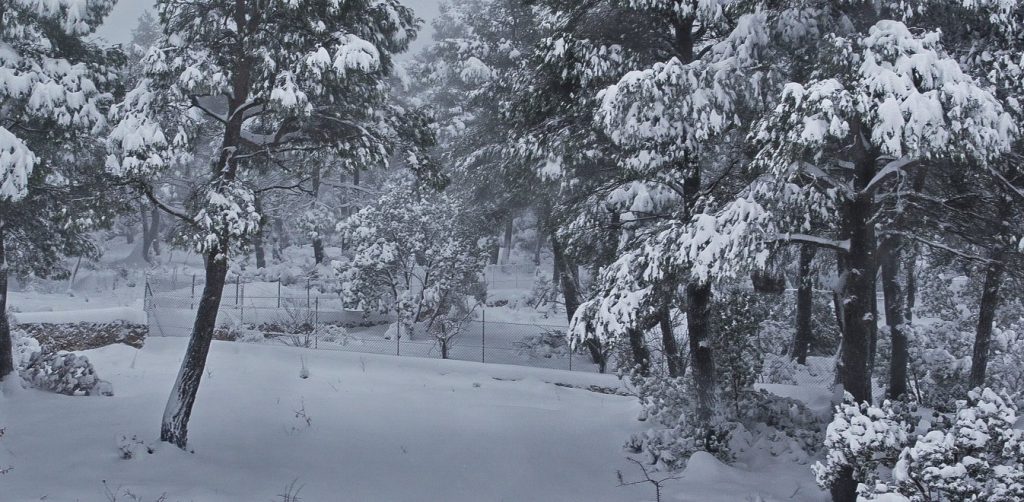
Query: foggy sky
x=122, y=20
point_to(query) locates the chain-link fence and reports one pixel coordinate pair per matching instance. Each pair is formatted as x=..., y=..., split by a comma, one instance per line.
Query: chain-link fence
x=316, y=321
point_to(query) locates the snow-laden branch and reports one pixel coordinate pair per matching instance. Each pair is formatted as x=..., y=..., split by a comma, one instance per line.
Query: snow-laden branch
x=893, y=167
x=837, y=245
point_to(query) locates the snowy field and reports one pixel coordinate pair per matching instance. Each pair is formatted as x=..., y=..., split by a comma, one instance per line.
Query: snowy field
x=379, y=428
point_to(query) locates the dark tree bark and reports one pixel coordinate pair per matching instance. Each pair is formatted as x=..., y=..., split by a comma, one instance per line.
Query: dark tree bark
x=859, y=267
x=6, y=343
x=859, y=303
x=986, y=317
x=147, y=240
x=183, y=396
x=154, y=231
x=911, y=302
x=638, y=349
x=804, y=305
x=698, y=310
x=318, y=243
x=281, y=239
x=894, y=310
x=673, y=358
x=569, y=280
x=257, y=239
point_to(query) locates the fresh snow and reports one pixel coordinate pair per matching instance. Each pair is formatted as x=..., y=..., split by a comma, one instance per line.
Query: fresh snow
x=381, y=428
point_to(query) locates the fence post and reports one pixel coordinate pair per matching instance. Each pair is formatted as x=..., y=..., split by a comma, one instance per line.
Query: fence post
x=278, y=293
x=483, y=335
x=316, y=324
x=192, y=306
x=238, y=284
x=398, y=338
x=307, y=292
x=570, y=355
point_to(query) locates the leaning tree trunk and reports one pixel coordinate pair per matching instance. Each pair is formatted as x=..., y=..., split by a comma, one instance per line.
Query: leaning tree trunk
x=179, y=406
x=698, y=310
x=859, y=302
x=6, y=343
x=986, y=317
x=569, y=281
x=174, y=427
x=894, y=310
x=804, y=305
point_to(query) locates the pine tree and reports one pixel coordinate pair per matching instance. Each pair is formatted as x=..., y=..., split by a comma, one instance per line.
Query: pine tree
x=53, y=86
x=273, y=78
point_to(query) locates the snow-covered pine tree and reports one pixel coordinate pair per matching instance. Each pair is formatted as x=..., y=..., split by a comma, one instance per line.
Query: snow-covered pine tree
x=274, y=78
x=877, y=102
x=53, y=86
x=674, y=119
x=990, y=35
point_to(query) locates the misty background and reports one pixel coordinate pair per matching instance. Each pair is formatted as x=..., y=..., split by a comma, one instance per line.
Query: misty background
x=123, y=19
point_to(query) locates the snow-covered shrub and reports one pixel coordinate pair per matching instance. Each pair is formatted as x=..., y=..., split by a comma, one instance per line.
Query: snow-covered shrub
x=65, y=373
x=415, y=255
x=973, y=453
x=548, y=344
x=745, y=418
x=778, y=369
x=863, y=438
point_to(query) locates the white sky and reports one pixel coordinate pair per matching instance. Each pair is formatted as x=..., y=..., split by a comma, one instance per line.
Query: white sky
x=122, y=20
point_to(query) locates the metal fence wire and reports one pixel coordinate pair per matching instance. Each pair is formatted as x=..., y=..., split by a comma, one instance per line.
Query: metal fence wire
x=321, y=322
x=297, y=314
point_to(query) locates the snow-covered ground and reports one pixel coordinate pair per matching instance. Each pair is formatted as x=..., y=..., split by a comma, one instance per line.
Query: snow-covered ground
x=380, y=428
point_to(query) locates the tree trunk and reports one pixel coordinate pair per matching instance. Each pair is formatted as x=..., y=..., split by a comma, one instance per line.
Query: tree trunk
x=154, y=231
x=6, y=343
x=638, y=348
x=147, y=239
x=859, y=290
x=911, y=302
x=318, y=243
x=506, y=250
x=281, y=238
x=174, y=428
x=986, y=316
x=318, y=250
x=569, y=281
x=673, y=358
x=804, y=306
x=257, y=239
x=698, y=310
x=859, y=298
x=894, y=310
x=538, y=247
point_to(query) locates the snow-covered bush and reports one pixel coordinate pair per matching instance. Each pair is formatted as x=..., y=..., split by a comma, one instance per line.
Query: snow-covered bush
x=744, y=417
x=973, y=453
x=548, y=344
x=65, y=373
x=863, y=438
x=414, y=255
